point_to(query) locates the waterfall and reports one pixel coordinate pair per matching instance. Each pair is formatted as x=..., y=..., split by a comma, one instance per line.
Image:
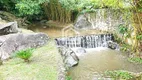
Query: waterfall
x=88, y=41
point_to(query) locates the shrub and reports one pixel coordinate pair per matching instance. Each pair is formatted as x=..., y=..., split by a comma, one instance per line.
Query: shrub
x=24, y=54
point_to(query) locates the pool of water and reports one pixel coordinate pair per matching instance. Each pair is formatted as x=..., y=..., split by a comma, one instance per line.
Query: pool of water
x=100, y=60
x=55, y=32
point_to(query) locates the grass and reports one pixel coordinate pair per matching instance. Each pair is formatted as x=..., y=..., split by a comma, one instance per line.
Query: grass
x=42, y=66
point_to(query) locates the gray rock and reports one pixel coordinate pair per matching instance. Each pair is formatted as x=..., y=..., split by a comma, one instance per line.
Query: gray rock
x=113, y=45
x=80, y=51
x=69, y=57
x=82, y=23
x=8, y=28
x=14, y=42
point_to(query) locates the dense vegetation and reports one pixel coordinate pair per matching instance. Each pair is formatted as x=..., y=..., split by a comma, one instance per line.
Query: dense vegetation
x=59, y=10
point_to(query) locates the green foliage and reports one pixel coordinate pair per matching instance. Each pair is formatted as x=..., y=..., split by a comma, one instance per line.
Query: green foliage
x=68, y=78
x=139, y=37
x=122, y=29
x=24, y=54
x=119, y=74
x=139, y=6
x=28, y=7
x=7, y=5
x=112, y=3
x=135, y=60
x=70, y=8
x=125, y=47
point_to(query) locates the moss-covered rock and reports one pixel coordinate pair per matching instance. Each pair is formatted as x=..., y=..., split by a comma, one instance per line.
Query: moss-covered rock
x=8, y=17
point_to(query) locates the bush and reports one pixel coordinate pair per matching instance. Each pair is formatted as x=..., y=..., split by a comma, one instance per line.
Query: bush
x=24, y=54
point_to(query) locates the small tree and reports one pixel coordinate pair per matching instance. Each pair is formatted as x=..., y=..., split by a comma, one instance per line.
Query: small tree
x=24, y=54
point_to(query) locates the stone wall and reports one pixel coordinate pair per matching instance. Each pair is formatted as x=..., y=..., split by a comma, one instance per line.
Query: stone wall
x=103, y=19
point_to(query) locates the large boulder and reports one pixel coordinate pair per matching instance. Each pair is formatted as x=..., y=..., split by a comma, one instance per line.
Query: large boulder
x=82, y=23
x=14, y=42
x=70, y=58
x=8, y=28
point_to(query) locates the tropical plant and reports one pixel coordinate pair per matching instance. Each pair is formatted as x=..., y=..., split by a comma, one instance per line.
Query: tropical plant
x=24, y=54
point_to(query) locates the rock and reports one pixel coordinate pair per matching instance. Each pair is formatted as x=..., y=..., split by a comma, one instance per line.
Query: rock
x=82, y=23
x=14, y=42
x=8, y=28
x=79, y=51
x=8, y=17
x=2, y=21
x=112, y=45
x=43, y=21
x=69, y=57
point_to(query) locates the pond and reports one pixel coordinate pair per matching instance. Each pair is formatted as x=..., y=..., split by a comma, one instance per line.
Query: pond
x=54, y=32
x=99, y=60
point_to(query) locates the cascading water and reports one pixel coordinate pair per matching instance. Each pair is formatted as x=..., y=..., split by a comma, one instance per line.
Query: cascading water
x=89, y=41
